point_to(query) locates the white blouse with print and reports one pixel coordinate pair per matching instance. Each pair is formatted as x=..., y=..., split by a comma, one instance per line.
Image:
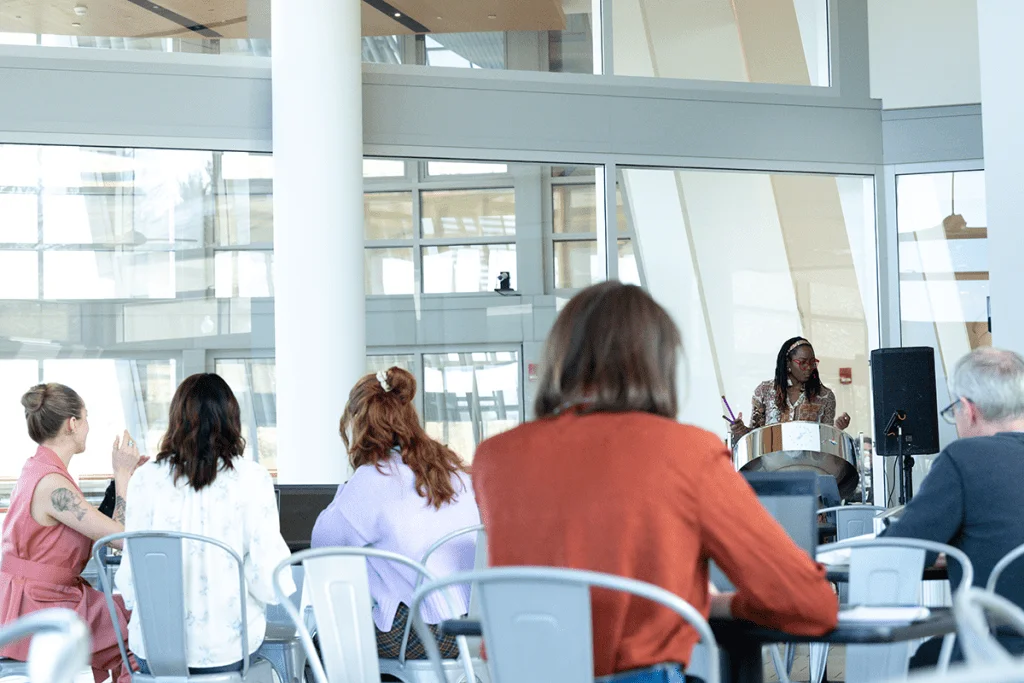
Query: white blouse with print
x=239, y=508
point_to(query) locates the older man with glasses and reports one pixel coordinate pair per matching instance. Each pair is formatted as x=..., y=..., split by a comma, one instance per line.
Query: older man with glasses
x=973, y=496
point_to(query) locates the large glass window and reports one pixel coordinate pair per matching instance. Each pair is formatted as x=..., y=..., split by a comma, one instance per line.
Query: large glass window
x=469, y=397
x=119, y=394
x=744, y=261
x=749, y=41
x=944, y=267
x=463, y=398
x=114, y=265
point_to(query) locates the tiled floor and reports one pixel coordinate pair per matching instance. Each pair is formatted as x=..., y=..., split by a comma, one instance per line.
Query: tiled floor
x=835, y=672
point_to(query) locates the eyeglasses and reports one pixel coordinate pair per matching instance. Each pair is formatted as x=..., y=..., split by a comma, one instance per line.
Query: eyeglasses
x=949, y=412
x=801, y=363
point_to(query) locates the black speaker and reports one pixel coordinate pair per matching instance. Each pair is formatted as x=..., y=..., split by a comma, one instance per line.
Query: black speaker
x=903, y=384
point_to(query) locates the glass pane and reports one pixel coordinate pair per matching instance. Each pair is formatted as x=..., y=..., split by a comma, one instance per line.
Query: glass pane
x=20, y=222
x=108, y=275
x=463, y=168
x=382, y=49
x=19, y=275
x=944, y=268
x=629, y=271
x=469, y=397
x=466, y=50
x=469, y=268
x=244, y=218
x=119, y=394
x=245, y=166
x=383, y=168
x=577, y=264
x=18, y=376
x=721, y=40
x=376, y=363
x=469, y=213
x=390, y=271
x=574, y=209
x=755, y=259
x=388, y=215
x=243, y=273
x=572, y=50
x=254, y=383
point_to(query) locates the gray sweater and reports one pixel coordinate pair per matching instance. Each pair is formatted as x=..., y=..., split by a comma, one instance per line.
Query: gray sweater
x=973, y=499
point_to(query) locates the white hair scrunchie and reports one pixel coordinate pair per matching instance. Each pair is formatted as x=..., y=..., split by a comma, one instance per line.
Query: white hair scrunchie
x=382, y=377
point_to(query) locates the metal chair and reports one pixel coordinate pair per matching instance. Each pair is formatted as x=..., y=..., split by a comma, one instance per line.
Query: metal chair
x=60, y=649
x=851, y=520
x=281, y=644
x=157, y=571
x=977, y=612
x=1001, y=565
x=337, y=583
x=886, y=572
x=988, y=673
x=537, y=621
x=411, y=671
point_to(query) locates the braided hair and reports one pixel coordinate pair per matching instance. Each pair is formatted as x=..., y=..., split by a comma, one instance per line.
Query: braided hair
x=812, y=388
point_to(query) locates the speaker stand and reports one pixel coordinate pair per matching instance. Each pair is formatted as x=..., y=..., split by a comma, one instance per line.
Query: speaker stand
x=904, y=468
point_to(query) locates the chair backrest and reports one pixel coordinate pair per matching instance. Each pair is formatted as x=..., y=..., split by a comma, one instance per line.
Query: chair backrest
x=277, y=614
x=976, y=611
x=853, y=520
x=157, y=565
x=888, y=571
x=339, y=589
x=537, y=621
x=997, y=571
x=61, y=646
x=1004, y=672
x=477, y=529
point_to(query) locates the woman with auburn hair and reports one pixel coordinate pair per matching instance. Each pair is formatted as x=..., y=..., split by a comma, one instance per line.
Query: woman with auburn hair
x=406, y=491
x=201, y=483
x=606, y=479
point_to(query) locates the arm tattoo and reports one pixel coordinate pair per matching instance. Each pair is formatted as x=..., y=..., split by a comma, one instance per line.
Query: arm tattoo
x=65, y=500
x=120, y=508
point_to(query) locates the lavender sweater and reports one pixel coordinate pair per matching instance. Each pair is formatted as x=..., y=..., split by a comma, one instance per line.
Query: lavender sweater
x=384, y=511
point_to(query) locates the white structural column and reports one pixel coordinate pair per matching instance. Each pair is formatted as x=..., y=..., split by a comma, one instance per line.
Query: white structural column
x=318, y=230
x=1000, y=26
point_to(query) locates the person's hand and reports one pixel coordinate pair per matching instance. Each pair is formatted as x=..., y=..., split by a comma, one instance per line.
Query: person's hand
x=125, y=455
x=843, y=421
x=737, y=428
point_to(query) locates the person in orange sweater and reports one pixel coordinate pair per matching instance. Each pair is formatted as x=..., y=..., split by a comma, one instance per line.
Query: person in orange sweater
x=606, y=479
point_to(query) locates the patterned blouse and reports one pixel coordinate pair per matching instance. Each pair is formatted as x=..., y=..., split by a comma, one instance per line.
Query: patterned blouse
x=238, y=508
x=821, y=409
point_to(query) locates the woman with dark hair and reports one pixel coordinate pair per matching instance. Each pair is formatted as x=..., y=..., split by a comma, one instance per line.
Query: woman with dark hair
x=406, y=491
x=795, y=394
x=200, y=483
x=606, y=479
x=50, y=527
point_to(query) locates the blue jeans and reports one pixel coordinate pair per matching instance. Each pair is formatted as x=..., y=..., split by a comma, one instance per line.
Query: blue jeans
x=659, y=673
x=198, y=670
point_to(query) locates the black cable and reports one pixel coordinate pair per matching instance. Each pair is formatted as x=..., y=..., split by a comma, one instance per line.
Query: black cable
x=892, y=487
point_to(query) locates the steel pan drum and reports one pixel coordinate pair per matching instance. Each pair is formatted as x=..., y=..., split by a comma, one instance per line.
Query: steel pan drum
x=800, y=446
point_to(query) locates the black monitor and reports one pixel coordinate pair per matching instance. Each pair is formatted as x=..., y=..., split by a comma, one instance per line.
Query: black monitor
x=298, y=506
x=792, y=499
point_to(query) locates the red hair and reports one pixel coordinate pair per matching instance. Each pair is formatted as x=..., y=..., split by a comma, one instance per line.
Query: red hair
x=382, y=417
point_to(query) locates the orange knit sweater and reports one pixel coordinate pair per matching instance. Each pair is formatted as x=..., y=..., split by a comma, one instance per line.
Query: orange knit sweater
x=641, y=496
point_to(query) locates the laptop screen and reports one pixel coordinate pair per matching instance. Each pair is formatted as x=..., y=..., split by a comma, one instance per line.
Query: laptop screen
x=298, y=507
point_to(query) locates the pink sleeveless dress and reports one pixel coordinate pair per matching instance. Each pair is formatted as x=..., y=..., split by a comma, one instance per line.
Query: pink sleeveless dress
x=41, y=566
